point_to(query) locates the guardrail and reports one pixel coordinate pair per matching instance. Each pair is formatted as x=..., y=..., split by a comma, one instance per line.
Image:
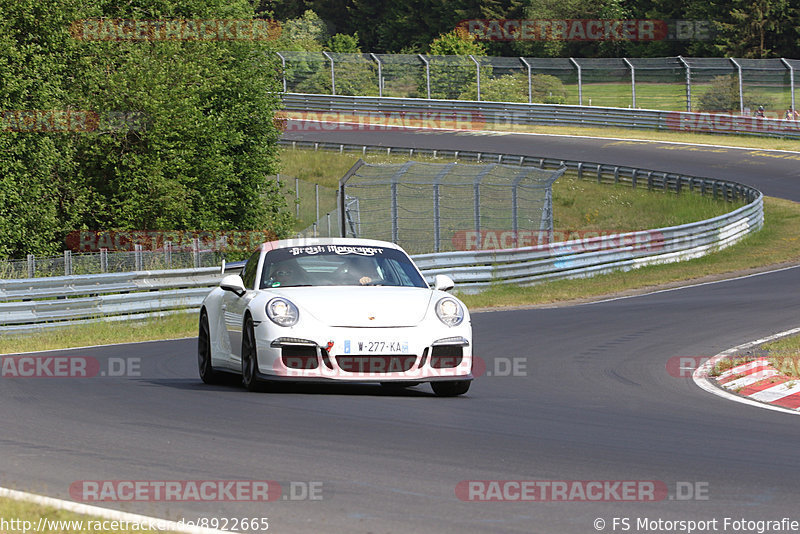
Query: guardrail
x=34, y=303
x=482, y=115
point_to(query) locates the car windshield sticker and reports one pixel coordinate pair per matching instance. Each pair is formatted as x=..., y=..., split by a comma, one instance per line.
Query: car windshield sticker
x=336, y=249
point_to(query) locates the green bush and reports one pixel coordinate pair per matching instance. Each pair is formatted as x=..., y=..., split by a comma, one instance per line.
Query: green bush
x=545, y=89
x=723, y=95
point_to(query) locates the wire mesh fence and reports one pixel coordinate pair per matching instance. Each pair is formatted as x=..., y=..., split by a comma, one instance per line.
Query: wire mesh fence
x=430, y=207
x=104, y=261
x=668, y=83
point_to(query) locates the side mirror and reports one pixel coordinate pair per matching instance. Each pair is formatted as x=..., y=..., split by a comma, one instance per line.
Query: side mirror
x=234, y=283
x=442, y=282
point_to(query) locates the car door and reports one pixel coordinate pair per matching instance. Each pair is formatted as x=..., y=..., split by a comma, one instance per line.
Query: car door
x=234, y=307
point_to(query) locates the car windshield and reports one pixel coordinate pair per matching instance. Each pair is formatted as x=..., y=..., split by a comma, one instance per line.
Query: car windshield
x=339, y=265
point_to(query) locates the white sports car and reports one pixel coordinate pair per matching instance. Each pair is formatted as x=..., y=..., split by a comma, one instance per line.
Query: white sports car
x=351, y=310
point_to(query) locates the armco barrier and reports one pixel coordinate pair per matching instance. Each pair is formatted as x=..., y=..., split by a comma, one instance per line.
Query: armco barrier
x=483, y=115
x=34, y=303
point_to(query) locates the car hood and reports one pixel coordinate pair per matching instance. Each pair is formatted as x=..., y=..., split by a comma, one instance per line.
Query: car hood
x=375, y=306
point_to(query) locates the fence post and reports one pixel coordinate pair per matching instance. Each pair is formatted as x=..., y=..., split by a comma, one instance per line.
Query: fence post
x=168, y=254
x=791, y=80
x=333, y=74
x=31, y=266
x=196, y=252
x=297, y=198
x=427, y=74
x=380, y=73
x=67, y=263
x=633, y=81
x=530, y=80
x=316, y=199
x=741, y=85
x=283, y=69
x=580, y=82
x=688, y=84
x=477, y=74
x=137, y=258
x=103, y=260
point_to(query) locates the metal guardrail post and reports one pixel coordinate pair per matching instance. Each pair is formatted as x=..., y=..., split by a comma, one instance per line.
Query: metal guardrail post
x=137, y=257
x=104, y=260
x=297, y=197
x=477, y=74
x=31, y=266
x=741, y=85
x=530, y=80
x=168, y=253
x=633, y=81
x=791, y=81
x=580, y=81
x=333, y=73
x=380, y=73
x=67, y=262
x=427, y=73
x=283, y=69
x=688, y=83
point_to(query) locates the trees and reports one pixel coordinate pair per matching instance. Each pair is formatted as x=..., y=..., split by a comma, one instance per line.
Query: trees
x=195, y=156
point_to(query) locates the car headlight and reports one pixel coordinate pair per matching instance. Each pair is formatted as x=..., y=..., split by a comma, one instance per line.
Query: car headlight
x=450, y=311
x=282, y=312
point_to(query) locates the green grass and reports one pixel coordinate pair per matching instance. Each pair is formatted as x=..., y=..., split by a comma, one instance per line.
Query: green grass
x=784, y=354
x=25, y=511
x=100, y=333
x=667, y=96
x=577, y=204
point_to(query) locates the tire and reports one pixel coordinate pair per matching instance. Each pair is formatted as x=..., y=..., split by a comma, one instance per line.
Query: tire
x=249, y=357
x=207, y=372
x=450, y=388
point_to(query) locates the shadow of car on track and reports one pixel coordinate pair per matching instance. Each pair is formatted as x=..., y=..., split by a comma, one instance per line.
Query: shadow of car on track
x=234, y=384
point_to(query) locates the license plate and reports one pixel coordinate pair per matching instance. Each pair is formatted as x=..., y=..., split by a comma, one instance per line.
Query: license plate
x=375, y=346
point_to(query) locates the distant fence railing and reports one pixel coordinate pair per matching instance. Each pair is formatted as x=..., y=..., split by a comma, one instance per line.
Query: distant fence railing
x=31, y=304
x=667, y=83
x=372, y=113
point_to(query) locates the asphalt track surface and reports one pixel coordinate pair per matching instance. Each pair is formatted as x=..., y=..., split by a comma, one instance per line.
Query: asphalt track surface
x=594, y=402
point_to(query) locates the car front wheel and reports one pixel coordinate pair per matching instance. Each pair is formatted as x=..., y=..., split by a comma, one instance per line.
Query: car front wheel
x=450, y=388
x=249, y=357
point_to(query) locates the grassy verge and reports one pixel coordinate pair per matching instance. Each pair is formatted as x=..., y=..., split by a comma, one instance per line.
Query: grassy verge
x=101, y=333
x=17, y=513
x=784, y=354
